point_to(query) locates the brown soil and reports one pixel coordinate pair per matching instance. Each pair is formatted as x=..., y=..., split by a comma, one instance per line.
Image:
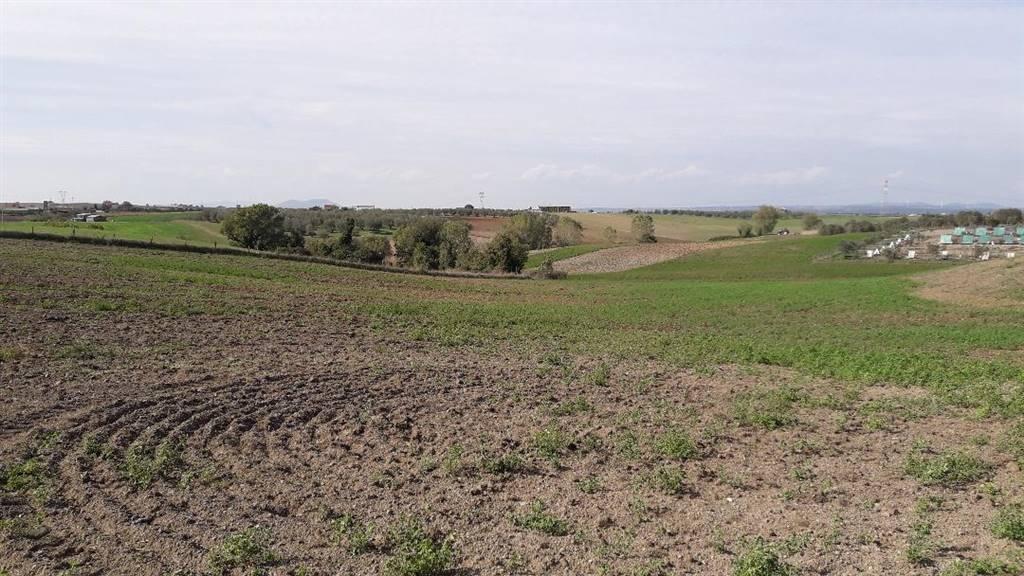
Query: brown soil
x=989, y=284
x=483, y=228
x=635, y=256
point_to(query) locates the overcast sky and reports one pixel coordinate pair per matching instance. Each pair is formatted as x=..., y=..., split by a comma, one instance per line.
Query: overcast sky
x=657, y=104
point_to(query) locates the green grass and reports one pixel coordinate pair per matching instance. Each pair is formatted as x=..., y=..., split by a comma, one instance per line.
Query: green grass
x=563, y=253
x=771, y=303
x=676, y=445
x=949, y=469
x=349, y=531
x=144, y=465
x=160, y=227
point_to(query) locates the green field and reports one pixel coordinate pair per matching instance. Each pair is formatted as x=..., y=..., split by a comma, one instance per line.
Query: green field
x=684, y=227
x=563, y=253
x=160, y=227
x=780, y=303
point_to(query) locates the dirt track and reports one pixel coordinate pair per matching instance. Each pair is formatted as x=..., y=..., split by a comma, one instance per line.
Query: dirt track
x=985, y=284
x=636, y=256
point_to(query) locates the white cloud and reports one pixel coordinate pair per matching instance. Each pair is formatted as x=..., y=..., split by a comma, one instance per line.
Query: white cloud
x=786, y=177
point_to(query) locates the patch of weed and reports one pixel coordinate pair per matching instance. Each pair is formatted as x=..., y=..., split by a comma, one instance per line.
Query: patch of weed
x=600, y=375
x=355, y=535
x=9, y=353
x=550, y=442
x=920, y=546
x=1013, y=442
x=572, y=407
x=589, y=485
x=950, y=469
x=143, y=465
x=627, y=444
x=80, y=349
x=981, y=567
x=761, y=559
x=767, y=408
x=414, y=552
x=539, y=520
x=676, y=444
x=504, y=464
x=452, y=463
x=1009, y=523
x=249, y=549
x=671, y=481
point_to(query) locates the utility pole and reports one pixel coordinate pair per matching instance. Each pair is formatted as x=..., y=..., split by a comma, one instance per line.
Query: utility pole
x=481, y=199
x=885, y=194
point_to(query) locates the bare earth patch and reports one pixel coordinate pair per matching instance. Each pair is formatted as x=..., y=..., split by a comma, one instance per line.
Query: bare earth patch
x=636, y=256
x=985, y=284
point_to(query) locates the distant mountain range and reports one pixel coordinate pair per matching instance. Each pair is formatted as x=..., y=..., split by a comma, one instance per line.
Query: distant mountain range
x=307, y=203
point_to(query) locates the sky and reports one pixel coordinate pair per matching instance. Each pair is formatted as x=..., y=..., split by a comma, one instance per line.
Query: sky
x=587, y=104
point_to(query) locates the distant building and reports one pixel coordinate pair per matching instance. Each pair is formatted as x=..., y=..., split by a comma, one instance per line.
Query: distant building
x=555, y=208
x=330, y=206
x=365, y=207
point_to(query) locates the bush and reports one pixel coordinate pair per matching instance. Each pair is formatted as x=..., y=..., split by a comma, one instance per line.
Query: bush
x=567, y=232
x=849, y=249
x=372, y=249
x=765, y=219
x=506, y=252
x=546, y=271
x=643, y=228
x=532, y=229
x=811, y=221
x=745, y=230
x=831, y=229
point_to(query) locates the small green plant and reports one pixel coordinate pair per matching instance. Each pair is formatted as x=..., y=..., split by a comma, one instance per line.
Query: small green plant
x=452, y=462
x=981, y=567
x=571, y=407
x=1013, y=442
x=96, y=447
x=247, y=549
x=920, y=547
x=503, y=464
x=676, y=444
x=761, y=559
x=414, y=552
x=9, y=353
x=540, y=520
x=142, y=465
x=1009, y=523
x=767, y=408
x=600, y=375
x=589, y=485
x=627, y=444
x=550, y=442
x=80, y=349
x=950, y=469
x=349, y=531
x=671, y=481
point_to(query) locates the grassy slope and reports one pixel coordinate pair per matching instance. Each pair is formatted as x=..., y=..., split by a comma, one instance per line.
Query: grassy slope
x=163, y=227
x=684, y=227
x=556, y=254
x=767, y=304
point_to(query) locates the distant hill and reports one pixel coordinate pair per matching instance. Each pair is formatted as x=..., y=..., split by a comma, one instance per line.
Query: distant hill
x=307, y=203
x=895, y=208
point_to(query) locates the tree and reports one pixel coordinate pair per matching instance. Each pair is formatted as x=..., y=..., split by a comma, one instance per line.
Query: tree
x=643, y=228
x=453, y=240
x=745, y=230
x=507, y=252
x=416, y=242
x=533, y=230
x=258, y=227
x=372, y=249
x=765, y=219
x=611, y=235
x=811, y=221
x=567, y=232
